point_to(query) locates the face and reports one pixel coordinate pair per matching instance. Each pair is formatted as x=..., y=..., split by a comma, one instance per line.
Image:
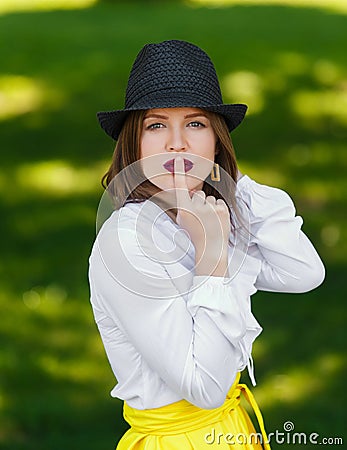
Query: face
x=169, y=132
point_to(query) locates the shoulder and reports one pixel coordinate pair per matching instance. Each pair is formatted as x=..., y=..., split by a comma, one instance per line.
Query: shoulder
x=246, y=186
x=136, y=234
x=132, y=251
x=263, y=199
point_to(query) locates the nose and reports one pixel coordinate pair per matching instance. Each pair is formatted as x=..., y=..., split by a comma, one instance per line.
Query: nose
x=176, y=141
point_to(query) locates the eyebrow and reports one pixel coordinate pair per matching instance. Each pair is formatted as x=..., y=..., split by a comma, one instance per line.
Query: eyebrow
x=188, y=116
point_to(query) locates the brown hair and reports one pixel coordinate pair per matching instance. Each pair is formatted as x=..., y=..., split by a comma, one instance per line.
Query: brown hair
x=127, y=152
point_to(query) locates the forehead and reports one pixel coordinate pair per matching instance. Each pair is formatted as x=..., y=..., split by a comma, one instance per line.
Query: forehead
x=176, y=111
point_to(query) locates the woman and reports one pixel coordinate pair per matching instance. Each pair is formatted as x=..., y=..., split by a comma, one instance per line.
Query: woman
x=173, y=268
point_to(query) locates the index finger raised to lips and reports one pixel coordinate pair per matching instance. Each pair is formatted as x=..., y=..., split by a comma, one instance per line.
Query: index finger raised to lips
x=182, y=193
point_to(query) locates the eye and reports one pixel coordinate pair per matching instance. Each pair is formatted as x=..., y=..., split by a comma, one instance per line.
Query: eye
x=154, y=126
x=196, y=124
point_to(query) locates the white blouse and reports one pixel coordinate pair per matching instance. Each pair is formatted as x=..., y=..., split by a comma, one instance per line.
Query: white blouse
x=171, y=335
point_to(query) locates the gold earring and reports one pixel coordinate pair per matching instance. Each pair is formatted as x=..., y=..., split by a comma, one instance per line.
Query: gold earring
x=215, y=174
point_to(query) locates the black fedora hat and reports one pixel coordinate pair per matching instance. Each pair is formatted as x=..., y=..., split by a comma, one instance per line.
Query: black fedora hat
x=168, y=75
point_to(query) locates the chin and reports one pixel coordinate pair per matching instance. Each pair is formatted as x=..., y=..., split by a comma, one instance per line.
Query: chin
x=166, y=182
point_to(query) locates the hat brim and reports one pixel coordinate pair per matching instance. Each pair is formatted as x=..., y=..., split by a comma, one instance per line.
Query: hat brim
x=112, y=121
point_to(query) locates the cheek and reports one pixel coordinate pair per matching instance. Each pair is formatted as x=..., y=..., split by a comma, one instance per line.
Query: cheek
x=151, y=145
x=153, y=169
x=206, y=144
x=212, y=144
x=145, y=147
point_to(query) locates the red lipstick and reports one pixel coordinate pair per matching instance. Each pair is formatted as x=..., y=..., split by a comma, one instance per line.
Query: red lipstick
x=170, y=165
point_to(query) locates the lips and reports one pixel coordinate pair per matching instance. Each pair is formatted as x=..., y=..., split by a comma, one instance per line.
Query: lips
x=169, y=165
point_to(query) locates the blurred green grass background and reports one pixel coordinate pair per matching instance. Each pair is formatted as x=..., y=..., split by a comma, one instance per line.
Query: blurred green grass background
x=63, y=61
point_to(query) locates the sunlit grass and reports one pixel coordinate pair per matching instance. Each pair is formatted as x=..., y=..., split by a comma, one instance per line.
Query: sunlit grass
x=331, y=234
x=329, y=5
x=8, y=6
x=316, y=107
x=58, y=178
x=316, y=156
x=53, y=360
x=244, y=87
x=18, y=95
x=328, y=73
x=328, y=100
x=35, y=297
x=272, y=176
x=300, y=383
x=330, y=191
x=292, y=63
x=21, y=95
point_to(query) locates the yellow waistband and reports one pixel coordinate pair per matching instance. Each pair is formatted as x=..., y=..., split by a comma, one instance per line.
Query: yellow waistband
x=182, y=416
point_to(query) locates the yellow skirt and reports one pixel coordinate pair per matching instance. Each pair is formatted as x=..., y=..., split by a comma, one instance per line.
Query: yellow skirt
x=183, y=426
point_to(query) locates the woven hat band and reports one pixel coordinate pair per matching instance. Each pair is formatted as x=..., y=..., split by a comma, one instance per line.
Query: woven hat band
x=172, y=98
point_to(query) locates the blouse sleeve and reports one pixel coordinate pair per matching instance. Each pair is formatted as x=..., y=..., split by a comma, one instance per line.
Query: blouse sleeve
x=195, y=342
x=289, y=261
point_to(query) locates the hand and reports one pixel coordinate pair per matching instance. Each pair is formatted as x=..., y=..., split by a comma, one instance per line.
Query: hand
x=206, y=220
